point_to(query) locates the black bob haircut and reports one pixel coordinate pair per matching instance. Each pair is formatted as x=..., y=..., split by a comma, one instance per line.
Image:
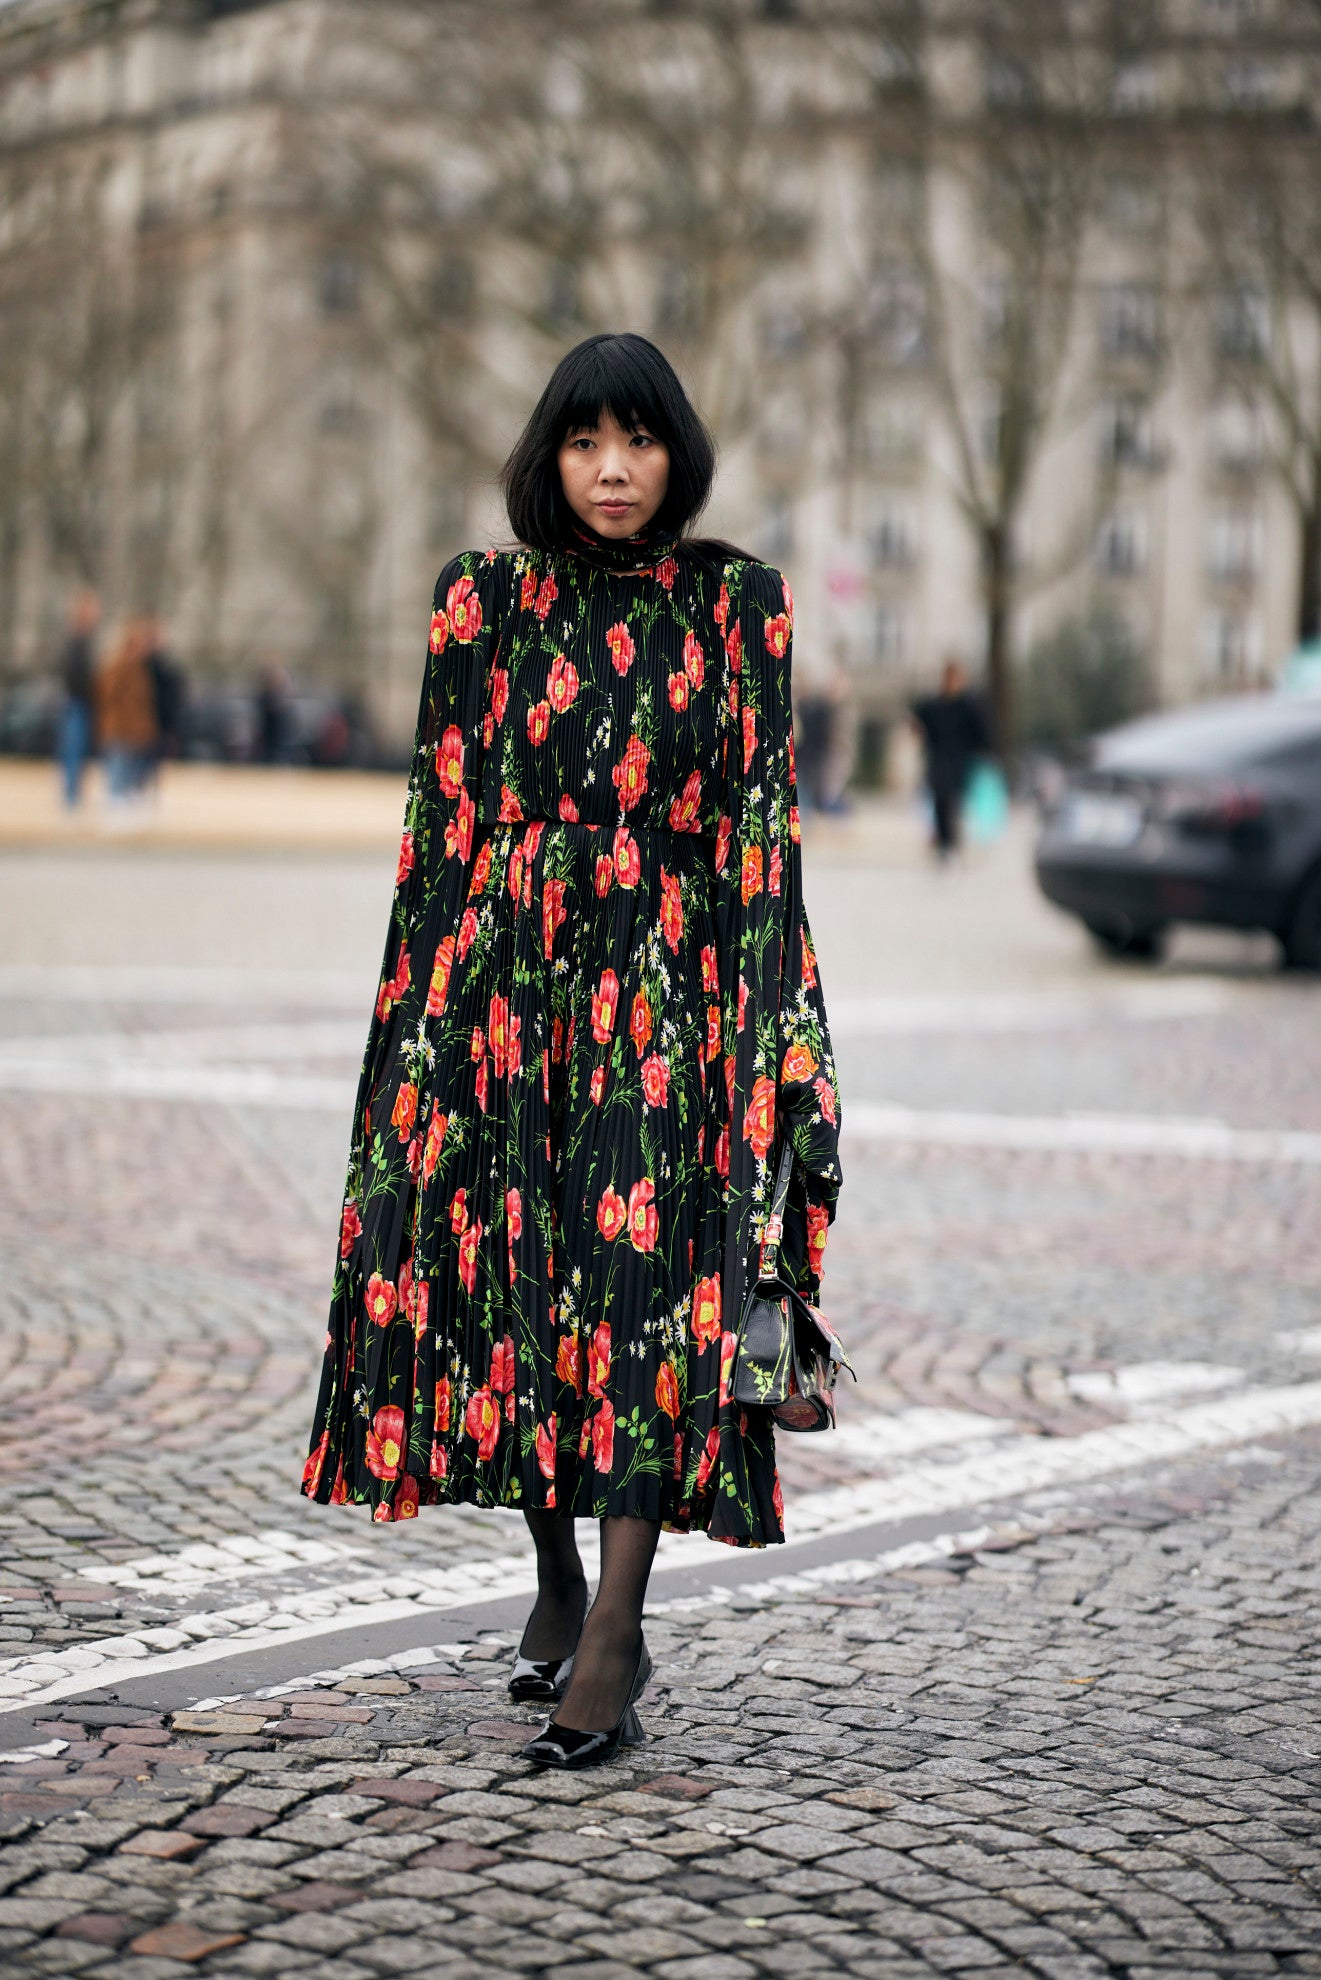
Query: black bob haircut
x=624, y=374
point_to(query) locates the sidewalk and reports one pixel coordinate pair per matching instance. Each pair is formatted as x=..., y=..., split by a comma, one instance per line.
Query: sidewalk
x=241, y=808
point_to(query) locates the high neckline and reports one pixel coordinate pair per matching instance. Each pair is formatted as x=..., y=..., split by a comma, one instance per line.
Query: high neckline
x=629, y=556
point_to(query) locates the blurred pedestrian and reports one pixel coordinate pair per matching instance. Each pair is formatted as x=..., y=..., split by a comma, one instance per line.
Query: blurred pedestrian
x=126, y=725
x=954, y=732
x=275, y=715
x=77, y=675
x=168, y=693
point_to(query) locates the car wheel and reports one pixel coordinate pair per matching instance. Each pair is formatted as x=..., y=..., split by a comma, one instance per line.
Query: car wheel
x=1121, y=940
x=1302, y=939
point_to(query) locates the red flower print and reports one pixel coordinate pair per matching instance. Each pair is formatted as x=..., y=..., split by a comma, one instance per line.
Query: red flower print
x=773, y=881
x=561, y=684
x=709, y=1455
x=552, y=913
x=611, y=1213
x=458, y=833
x=597, y=1086
x=546, y=1447
x=742, y=1002
x=706, y=1311
x=440, y=632
x=568, y=1368
x=666, y=572
x=643, y=1221
x=313, y=1468
x=414, y=1298
x=414, y=1157
x=459, y=1212
x=734, y=648
x=639, y=1023
x=449, y=760
x=482, y=1084
x=710, y=968
x=482, y=1422
x=439, y=1461
x=759, y=1121
x=630, y=773
x=538, y=721
x=712, y=1030
x=749, y=738
x=605, y=873
x=467, y=929
x=620, y=641
x=825, y=1094
x=809, y=964
x=511, y=811
x=442, y=1405
x=671, y=908
x=502, y=1366
x=546, y=596
x=627, y=858
x=514, y=877
x=778, y=630
x=655, y=1080
x=481, y=869
x=350, y=1227
x=440, y=977
x=514, y=1213
x=684, y=810
x=603, y=1436
x=394, y=987
x=463, y=608
x=798, y=1063
x=694, y=660
x=667, y=1389
x=818, y=1223
x=724, y=832
x=497, y=1027
x=751, y=874
x=777, y=1499
x=499, y=692
x=406, y=856
x=721, y=613
x=385, y=1442
x=605, y=1002
x=468, y=1244
x=528, y=590
x=728, y=1344
x=436, y=1127
x=568, y=810
x=598, y=1360
x=382, y=1299
x=678, y=686
x=407, y=1494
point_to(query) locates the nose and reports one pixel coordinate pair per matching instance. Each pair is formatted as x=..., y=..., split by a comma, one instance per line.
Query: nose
x=614, y=466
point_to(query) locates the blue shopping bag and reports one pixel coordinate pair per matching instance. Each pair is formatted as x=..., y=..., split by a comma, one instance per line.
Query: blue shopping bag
x=985, y=803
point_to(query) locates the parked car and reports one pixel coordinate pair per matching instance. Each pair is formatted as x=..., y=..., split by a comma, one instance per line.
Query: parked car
x=1206, y=814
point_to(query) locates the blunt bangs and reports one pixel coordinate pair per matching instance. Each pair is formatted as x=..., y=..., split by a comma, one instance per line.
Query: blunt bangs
x=626, y=375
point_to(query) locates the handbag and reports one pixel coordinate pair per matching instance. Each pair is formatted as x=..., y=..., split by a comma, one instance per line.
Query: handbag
x=787, y=1356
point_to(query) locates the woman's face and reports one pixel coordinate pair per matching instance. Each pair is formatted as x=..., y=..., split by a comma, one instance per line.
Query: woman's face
x=614, y=480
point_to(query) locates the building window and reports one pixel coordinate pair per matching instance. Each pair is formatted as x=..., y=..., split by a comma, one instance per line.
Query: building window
x=1251, y=86
x=891, y=430
x=340, y=285
x=891, y=538
x=889, y=634
x=1121, y=544
x=1236, y=435
x=896, y=314
x=1009, y=84
x=1130, y=320
x=1233, y=545
x=1128, y=432
x=1242, y=325
x=1135, y=88
x=1231, y=648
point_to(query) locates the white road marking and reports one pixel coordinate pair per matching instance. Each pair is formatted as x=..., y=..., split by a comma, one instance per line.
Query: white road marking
x=1305, y=1340
x=1009, y=1469
x=1084, y=1134
x=1146, y=1382
x=240, y=1557
x=1029, y=1010
x=896, y=1433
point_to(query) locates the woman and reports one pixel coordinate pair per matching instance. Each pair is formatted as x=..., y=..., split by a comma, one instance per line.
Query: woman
x=599, y=992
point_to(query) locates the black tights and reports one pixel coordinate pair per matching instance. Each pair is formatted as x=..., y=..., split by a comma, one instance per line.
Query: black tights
x=606, y=1654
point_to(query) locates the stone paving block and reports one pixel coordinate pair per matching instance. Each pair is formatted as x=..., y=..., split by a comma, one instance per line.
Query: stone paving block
x=182, y=1941
x=167, y=1844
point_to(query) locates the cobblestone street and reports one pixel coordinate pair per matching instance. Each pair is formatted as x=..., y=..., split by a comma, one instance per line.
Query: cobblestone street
x=1031, y=1690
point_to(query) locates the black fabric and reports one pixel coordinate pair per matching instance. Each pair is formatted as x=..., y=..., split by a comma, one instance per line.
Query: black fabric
x=954, y=732
x=607, y=1655
x=77, y=666
x=627, y=555
x=557, y=1616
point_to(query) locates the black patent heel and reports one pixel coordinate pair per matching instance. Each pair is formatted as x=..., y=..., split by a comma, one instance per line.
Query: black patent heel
x=539, y=1681
x=565, y=1746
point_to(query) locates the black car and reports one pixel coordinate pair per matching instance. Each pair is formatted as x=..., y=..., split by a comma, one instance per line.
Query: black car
x=1208, y=814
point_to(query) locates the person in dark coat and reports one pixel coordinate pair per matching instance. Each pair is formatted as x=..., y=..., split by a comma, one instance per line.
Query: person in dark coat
x=954, y=732
x=77, y=677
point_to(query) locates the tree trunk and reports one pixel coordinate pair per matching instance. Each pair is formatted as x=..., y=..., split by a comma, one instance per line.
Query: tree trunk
x=999, y=677
x=1309, y=576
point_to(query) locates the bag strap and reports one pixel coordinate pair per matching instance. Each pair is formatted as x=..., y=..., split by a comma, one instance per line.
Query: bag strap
x=770, y=1246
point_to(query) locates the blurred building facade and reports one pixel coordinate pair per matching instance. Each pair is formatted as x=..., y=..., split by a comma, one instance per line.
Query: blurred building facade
x=999, y=310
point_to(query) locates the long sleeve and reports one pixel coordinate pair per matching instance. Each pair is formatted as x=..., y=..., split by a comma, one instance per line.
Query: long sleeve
x=779, y=1064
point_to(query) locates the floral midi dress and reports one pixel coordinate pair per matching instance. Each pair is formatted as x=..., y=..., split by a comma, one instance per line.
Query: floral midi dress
x=598, y=1009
